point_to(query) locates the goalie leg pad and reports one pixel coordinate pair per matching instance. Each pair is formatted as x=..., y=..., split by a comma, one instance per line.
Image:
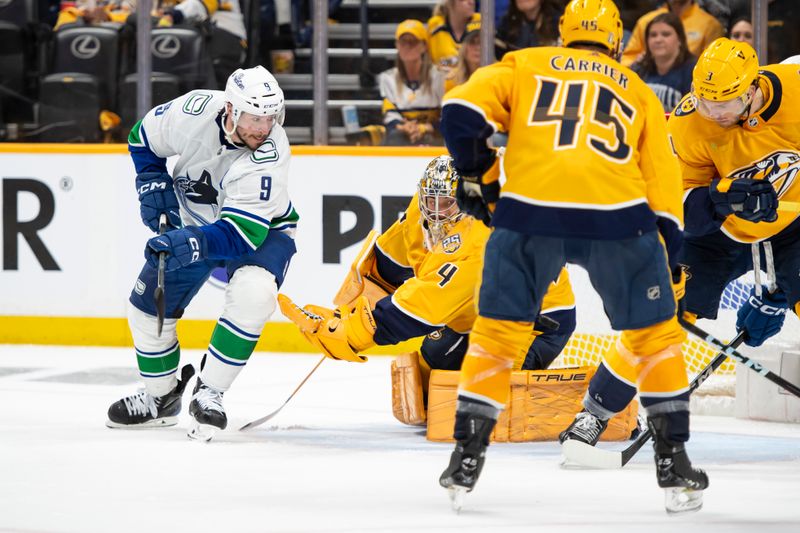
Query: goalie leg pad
x=157, y=357
x=542, y=403
x=408, y=404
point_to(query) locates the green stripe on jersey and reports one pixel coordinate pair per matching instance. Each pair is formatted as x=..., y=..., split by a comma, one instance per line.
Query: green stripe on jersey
x=227, y=343
x=291, y=218
x=254, y=232
x=160, y=364
x=135, y=137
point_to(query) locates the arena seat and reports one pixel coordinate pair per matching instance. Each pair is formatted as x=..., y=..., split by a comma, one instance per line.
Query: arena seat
x=69, y=108
x=181, y=52
x=165, y=87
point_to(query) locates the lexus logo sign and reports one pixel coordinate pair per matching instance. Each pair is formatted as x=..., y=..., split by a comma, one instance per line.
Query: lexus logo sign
x=165, y=46
x=85, y=46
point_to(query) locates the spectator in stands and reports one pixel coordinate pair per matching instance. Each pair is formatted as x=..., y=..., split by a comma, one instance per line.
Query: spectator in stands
x=93, y=12
x=741, y=29
x=446, y=29
x=500, y=10
x=667, y=65
x=700, y=28
x=469, y=57
x=783, y=36
x=228, y=44
x=631, y=10
x=528, y=23
x=412, y=91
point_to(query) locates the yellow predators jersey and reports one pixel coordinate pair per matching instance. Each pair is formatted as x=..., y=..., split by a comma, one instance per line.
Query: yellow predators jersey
x=442, y=45
x=765, y=146
x=587, y=152
x=443, y=288
x=701, y=30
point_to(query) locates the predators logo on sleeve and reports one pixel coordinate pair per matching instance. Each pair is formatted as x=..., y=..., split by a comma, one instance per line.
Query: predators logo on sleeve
x=685, y=107
x=451, y=243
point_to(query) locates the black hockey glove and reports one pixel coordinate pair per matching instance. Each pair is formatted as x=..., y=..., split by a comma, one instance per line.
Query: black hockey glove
x=476, y=195
x=753, y=200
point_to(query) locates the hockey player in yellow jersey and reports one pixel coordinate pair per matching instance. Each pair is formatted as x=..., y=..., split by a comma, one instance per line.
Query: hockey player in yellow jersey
x=737, y=136
x=590, y=180
x=419, y=278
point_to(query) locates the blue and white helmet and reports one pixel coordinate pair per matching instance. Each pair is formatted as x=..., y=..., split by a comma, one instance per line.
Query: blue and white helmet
x=255, y=91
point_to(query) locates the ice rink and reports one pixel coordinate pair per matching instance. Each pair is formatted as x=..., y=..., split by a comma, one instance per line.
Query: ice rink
x=334, y=460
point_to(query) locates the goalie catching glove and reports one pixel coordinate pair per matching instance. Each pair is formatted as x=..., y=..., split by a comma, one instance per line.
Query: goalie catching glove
x=338, y=333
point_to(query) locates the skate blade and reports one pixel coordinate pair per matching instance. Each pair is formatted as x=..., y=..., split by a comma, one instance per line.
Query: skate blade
x=201, y=432
x=457, y=496
x=680, y=500
x=164, y=422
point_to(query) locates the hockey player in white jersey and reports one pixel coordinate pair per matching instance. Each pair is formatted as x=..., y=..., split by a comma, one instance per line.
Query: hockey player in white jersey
x=227, y=205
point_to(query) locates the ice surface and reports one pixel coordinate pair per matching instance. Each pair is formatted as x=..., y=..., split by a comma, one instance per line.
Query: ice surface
x=334, y=460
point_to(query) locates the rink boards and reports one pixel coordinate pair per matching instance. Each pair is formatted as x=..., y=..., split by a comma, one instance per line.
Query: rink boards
x=73, y=240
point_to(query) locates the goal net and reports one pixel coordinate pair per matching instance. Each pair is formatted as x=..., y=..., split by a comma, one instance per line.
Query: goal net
x=593, y=336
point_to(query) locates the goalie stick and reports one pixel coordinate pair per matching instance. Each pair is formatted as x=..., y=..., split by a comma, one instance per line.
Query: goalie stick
x=263, y=419
x=583, y=454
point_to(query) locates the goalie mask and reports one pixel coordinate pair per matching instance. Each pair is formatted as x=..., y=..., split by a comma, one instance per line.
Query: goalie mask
x=437, y=200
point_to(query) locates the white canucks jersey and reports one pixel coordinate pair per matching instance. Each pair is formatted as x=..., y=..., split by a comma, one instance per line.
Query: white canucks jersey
x=214, y=179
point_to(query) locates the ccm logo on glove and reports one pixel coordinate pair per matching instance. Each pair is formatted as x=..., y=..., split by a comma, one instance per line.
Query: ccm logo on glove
x=765, y=308
x=154, y=186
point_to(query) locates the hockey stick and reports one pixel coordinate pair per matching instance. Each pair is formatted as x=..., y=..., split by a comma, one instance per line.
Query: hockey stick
x=733, y=354
x=158, y=294
x=263, y=419
x=586, y=455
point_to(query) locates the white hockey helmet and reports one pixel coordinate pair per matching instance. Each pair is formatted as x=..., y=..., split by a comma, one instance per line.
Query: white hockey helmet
x=254, y=91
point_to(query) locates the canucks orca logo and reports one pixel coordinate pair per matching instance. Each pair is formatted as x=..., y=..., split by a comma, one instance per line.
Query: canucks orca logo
x=198, y=191
x=779, y=167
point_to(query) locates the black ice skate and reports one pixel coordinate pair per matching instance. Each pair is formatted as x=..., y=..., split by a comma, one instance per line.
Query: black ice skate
x=467, y=459
x=207, y=410
x=683, y=484
x=142, y=410
x=586, y=428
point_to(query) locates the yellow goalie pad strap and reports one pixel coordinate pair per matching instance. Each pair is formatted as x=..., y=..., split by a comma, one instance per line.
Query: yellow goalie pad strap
x=407, y=390
x=363, y=278
x=542, y=404
x=338, y=334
